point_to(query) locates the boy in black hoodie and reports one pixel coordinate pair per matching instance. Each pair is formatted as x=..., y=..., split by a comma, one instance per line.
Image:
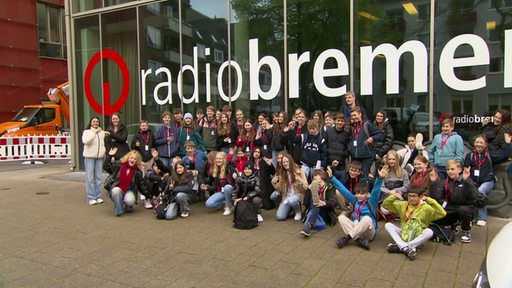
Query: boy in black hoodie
x=313, y=154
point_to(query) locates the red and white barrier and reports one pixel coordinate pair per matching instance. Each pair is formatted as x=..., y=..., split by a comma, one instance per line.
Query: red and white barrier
x=35, y=148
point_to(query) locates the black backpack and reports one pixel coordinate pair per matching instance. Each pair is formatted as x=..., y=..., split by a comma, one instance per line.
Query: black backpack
x=442, y=234
x=245, y=216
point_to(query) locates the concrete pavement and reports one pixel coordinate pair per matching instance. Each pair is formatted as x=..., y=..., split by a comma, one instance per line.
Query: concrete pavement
x=50, y=237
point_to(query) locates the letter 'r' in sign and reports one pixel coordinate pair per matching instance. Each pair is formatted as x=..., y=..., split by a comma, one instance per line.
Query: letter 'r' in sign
x=108, y=108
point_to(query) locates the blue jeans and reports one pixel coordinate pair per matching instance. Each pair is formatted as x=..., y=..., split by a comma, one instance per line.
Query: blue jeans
x=167, y=161
x=93, y=171
x=287, y=204
x=181, y=204
x=217, y=199
x=484, y=188
x=121, y=199
x=441, y=172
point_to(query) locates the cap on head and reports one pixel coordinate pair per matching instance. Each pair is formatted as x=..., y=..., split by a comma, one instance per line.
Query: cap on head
x=188, y=116
x=249, y=165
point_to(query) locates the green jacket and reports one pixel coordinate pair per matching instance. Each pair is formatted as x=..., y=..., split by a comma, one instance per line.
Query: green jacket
x=425, y=212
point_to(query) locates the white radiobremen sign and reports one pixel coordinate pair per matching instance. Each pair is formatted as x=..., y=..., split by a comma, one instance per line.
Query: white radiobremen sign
x=447, y=64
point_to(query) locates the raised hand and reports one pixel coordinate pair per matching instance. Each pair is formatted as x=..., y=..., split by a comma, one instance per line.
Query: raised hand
x=466, y=173
x=384, y=171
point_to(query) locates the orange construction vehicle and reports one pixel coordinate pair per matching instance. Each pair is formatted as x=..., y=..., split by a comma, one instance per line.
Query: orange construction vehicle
x=41, y=119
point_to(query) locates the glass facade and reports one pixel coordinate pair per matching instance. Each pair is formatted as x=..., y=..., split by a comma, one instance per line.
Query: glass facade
x=265, y=56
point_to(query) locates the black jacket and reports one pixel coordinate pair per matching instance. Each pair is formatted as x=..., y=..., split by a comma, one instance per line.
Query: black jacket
x=146, y=139
x=382, y=147
x=329, y=196
x=247, y=186
x=184, y=187
x=458, y=193
x=138, y=184
x=336, y=145
x=118, y=140
x=214, y=182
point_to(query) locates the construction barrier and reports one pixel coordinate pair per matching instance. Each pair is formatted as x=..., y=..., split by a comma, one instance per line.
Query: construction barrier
x=35, y=148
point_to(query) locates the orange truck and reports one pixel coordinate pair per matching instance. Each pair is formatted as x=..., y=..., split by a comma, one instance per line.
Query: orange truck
x=50, y=118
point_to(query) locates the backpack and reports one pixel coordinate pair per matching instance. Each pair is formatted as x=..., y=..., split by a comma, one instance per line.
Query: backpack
x=442, y=234
x=245, y=216
x=411, y=229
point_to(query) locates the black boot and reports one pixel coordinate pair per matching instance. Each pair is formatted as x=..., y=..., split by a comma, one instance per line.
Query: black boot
x=342, y=242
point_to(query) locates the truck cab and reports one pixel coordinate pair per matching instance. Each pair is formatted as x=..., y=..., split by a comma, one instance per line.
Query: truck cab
x=42, y=119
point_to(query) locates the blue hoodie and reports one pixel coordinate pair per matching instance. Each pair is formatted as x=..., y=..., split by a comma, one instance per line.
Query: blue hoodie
x=373, y=200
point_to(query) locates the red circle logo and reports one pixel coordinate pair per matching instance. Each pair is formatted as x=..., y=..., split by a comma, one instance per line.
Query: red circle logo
x=444, y=116
x=108, y=108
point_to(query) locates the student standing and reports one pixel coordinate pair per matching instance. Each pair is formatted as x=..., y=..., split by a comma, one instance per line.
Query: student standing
x=445, y=146
x=93, y=139
x=167, y=140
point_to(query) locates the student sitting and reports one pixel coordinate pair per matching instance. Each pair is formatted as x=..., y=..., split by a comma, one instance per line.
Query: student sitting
x=363, y=226
x=457, y=195
x=248, y=188
x=156, y=179
x=290, y=184
x=322, y=203
x=416, y=213
x=179, y=193
x=481, y=161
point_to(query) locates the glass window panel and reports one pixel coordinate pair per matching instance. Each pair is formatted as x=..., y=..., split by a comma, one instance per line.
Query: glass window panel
x=84, y=5
x=119, y=33
x=469, y=17
x=158, y=22
x=314, y=39
x=50, y=19
x=55, y=21
x=260, y=22
x=204, y=24
x=388, y=23
x=42, y=24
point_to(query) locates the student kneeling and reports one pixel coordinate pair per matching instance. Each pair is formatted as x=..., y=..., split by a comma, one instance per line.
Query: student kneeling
x=415, y=216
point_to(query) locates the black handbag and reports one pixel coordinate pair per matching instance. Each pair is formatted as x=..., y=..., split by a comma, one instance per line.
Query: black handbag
x=107, y=184
x=480, y=201
x=394, y=184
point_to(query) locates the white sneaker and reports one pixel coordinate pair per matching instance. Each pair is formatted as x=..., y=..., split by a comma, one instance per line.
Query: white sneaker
x=142, y=197
x=298, y=216
x=481, y=223
x=147, y=204
x=184, y=214
x=260, y=218
x=227, y=211
x=99, y=200
x=419, y=141
x=93, y=202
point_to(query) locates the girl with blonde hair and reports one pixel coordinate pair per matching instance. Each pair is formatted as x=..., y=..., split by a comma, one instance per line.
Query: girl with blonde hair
x=220, y=184
x=128, y=180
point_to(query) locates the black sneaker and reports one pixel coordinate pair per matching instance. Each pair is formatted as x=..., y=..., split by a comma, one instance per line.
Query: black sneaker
x=306, y=231
x=363, y=243
x=393, y=248
x=411, y=253
x=465, y=236
x=342, y=242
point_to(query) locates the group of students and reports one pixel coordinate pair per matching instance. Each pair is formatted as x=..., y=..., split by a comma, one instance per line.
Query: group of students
x=328, y=169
